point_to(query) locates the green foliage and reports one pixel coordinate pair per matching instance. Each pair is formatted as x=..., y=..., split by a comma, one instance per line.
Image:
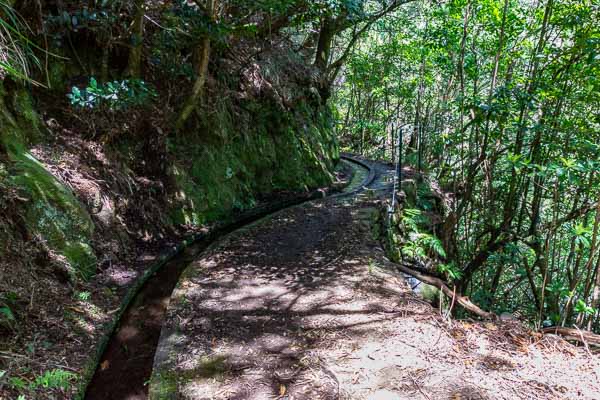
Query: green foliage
x=582, y=308
x=54, y=379
x=355, y=9
x=421, y=244
x=93, y=19
x=18, y=383
x=166, y=49
x=8, y=303
x=53, y=213
x=412, y=218
x=501, y=105
x=83, y=296
x=424, y=199
x=16, y=50
x=434, y=244
x=581, y=234
x=271, y=155
x=114, y=96
x=6, y=314
x=450, y=270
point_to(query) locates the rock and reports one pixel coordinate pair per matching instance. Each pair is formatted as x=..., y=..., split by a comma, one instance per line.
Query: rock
x=505, y=317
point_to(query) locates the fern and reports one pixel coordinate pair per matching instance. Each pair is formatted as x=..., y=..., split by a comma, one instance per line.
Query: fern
x=410, y=218
x=450, y=270
x=434, y=244
x=54, y=379
x=421, y=242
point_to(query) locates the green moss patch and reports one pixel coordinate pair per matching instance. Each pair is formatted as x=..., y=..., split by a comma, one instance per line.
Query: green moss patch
x=53, y=213
x=293, y=151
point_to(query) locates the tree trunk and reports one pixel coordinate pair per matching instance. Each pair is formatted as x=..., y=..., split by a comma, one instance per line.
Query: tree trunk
x=326, y=35
x=596, y=293
x=202, y=74
x=134, y=66
x=465, y=302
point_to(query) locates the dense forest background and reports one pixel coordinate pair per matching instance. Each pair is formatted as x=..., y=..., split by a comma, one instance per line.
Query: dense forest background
x=498, y=101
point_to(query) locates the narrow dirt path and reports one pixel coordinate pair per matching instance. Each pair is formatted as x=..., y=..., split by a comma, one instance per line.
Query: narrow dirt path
x=126, y=364
x=251, y=317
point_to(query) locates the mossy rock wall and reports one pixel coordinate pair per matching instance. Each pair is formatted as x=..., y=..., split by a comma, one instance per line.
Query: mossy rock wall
x=269, y=151
x=52, y=214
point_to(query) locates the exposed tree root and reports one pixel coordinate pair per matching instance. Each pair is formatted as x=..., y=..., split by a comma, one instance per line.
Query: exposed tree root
x=576, y=335
x=464, y=301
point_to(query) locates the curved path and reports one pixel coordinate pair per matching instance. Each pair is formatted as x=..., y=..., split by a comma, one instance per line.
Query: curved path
x=126, y=364
x=262, y=313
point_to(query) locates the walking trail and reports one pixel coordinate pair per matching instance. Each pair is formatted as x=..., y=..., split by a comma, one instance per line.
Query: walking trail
x=305, y=305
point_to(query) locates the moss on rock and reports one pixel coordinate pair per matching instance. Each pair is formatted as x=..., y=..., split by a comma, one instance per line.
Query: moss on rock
x=293, y=151
x=52, y=212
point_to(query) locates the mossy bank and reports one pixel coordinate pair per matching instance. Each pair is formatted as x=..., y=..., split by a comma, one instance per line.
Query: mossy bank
x=85, y=216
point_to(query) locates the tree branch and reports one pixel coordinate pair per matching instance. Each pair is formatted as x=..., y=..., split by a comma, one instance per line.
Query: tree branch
x=576, y=335
x=572, y=215
x=335, y=67
x=465, y=302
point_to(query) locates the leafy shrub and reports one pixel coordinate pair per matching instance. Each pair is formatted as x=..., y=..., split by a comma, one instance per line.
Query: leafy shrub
x=582, y=308
x=114, y=96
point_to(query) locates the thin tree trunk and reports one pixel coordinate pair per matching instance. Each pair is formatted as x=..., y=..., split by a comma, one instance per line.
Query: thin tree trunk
x=134, y=65
x=596, y=292
x=202, y=75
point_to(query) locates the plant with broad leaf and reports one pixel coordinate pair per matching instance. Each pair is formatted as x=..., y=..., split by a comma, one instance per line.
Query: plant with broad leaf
x=113, y=96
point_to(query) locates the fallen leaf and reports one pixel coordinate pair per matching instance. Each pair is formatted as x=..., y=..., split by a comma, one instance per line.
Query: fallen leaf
x=282, y=390
x=105, y=364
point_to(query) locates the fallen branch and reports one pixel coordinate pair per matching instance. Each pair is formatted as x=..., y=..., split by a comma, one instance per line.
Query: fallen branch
x=465, y=302
x=576, y=335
